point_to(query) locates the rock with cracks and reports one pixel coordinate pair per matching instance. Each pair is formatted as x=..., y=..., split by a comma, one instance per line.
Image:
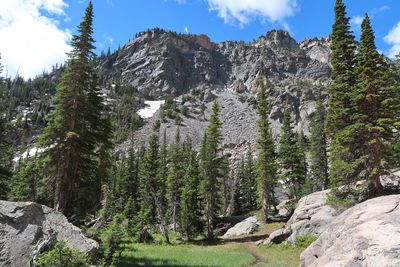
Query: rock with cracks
x=367, y=234
x=24, y=224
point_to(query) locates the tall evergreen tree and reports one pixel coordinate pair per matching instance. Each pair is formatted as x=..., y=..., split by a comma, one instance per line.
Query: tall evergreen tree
x=77, y=133
x=175, y=174
x=5, y=159
x=291, y=157
x=375, y=109
x=318, y=148
x=190, y=209
x=266, y=157
x=341, y=105
x=245, y=186
x=5, y=146
x=148, y=186
x=343, y=79
x=238, y=199
x=210, y=163
x=160, y=197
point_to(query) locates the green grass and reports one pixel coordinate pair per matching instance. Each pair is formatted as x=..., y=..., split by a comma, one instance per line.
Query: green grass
x=185, y=255
x=220, y=255
x=280, y=256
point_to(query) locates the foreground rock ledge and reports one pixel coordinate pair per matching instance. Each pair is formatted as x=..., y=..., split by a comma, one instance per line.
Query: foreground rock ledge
x=367, y=234
x=22, y=224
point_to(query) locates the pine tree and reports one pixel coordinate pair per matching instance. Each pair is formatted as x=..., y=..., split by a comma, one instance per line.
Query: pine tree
x=245, y=186
x=238, y=199
x=190, y=210
x=318, y=151
x=175, y=174
x=5, y=159
x=77, y=136
x=291, y=157
x=25, y=183
x=5, y=146
x=343, y=80
x=160, y=197
x=339, y=127
x=148, y=185
x=393, y=155
x=375, y=109
x=266, y=158
x=210, y=163
x=250, y=189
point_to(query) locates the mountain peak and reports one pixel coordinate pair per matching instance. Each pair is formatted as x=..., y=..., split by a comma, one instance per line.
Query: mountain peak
x=275, y=39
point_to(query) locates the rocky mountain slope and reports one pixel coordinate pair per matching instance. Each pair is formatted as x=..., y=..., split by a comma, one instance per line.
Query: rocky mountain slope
x=160, y=64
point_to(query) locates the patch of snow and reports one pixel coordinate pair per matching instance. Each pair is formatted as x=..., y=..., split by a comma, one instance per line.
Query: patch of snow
x=30, y=152
x=150, y=109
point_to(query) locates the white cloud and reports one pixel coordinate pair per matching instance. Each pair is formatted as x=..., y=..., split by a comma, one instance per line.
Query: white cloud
x=380, y=9
x=356, y=22
x=186, y=29
x=30, y=41
x=393, y=38
x=243, y=11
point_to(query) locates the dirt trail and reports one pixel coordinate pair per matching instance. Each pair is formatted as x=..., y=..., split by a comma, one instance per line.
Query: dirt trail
x=252, y=249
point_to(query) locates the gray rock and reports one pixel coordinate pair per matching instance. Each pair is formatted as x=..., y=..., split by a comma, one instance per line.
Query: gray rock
x=391, y=181
x=248, y=226
x=278, y=236
x=367, y=234
x=311, y=217
x=285, y=208
x=23, y=224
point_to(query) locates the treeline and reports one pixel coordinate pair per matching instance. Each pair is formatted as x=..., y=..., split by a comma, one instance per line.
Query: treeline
x=173, y=186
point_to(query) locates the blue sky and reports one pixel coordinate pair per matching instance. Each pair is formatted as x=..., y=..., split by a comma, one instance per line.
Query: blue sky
x=120, y=19
x=116, y=21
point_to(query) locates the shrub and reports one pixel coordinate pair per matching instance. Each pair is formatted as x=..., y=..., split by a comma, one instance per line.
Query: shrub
x=304, y=241
x=184, y=111
x=62, y=256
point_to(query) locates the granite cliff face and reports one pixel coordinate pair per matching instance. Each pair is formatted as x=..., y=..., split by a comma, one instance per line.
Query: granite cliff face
x=161, y=63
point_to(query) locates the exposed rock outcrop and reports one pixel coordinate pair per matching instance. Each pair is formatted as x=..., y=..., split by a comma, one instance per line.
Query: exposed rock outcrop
x=311, y=217
x=248, y=226
x=367, y=234
x=23, y=224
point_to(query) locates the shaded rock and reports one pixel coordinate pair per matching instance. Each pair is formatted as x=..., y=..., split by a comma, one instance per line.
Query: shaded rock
x=248, y=226
x=364, y=235
x=23, y=224
x=285, y=208
x=391, y=180
x=278, y=236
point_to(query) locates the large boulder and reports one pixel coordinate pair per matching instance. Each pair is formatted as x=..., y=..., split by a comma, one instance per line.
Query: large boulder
x=367, y=234
x=248, y=226
x=311, y=217
x=23, y=224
